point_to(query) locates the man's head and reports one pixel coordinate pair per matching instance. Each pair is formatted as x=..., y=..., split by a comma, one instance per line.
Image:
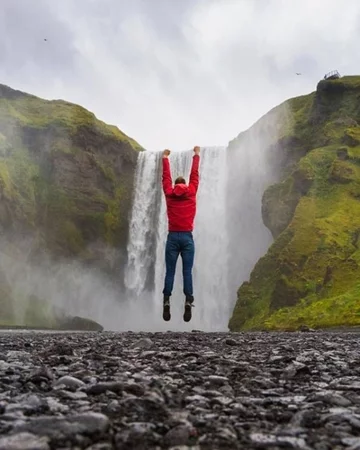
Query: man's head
x=180, y=180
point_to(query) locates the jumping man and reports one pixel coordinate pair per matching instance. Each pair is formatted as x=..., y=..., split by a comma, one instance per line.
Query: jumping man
x=181, y=210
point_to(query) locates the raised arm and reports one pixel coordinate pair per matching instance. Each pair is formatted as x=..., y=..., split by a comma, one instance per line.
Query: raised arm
x=166, y=173
x=194, y=174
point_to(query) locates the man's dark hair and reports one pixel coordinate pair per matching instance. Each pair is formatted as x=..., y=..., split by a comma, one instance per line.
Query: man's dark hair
x=180, y=180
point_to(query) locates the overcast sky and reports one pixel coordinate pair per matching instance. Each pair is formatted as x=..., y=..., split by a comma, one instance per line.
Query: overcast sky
x=176, y=73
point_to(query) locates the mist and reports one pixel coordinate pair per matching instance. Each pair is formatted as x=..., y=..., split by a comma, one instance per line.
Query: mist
x=229, y=232
x=195, y=73
x=229, y=239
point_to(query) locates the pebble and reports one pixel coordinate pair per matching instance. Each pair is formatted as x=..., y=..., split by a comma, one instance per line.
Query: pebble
x=24, y=441
x=99, y=391
x=69, y=382
x=57, y=428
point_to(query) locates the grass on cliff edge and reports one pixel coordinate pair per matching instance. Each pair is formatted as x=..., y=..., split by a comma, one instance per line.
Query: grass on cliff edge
x=342, y=310
x=31, y=111
x=313, y=265
x=323, y=237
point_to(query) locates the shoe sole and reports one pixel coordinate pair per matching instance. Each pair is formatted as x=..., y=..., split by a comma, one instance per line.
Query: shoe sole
x=187, y=313
x=166, y=313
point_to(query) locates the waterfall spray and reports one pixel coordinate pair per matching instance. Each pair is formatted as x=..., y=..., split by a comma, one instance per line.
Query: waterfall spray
x=228, y=232
x=147, y=246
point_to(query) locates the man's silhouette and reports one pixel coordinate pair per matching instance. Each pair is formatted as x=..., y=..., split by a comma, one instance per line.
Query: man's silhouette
x=181, y=210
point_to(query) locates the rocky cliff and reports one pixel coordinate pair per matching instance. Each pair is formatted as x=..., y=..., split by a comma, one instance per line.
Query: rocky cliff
x=65, y=186
x=310, y=274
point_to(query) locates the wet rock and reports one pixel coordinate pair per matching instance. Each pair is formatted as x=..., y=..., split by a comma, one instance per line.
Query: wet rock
x=306, y=329
x=179, y=435
x=69, y=382
x=72, y=395
x=100, y=446
x=353, y=443
x=329, y=397
x=24, y=441
x=217, y=380
x=294, y=369
x=230, y=341
x=98, y=391
x=41, y=374
x=57, y=428
x=144, y=344
x=223, y=401
x=268, y=441
x=100, y=388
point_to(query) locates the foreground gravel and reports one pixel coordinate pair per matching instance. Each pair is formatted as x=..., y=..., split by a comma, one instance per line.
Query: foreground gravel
x=101, y=391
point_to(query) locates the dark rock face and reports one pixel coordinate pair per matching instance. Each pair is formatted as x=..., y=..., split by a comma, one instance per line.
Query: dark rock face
x=66, y=181
x=101, y=391
x=317, y=159
x=64, y=174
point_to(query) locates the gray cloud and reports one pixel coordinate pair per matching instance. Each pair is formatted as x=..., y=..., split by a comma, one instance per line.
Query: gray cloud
x=176, y=73
x=23, y=51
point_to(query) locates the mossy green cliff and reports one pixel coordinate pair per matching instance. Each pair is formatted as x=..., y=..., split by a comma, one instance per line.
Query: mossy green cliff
x=66, y=181
x=311, y=273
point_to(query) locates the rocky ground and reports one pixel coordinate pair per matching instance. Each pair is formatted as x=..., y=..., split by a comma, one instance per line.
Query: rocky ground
x=101, y=391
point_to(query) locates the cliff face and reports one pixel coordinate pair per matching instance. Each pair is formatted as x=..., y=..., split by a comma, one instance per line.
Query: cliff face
x=66, y=182
x=310, y=275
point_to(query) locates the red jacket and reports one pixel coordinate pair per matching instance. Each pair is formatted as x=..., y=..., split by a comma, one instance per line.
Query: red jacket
x=181, y=199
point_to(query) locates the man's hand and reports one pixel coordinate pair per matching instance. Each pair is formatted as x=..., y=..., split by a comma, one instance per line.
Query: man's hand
x=166, y=153
x=197, y=150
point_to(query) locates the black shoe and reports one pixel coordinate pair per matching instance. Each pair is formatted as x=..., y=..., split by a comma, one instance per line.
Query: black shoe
x=188, y=305
x=166, y=308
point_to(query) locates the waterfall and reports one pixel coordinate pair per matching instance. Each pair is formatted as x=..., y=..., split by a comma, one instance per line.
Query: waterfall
x=229, y=235
x=140, y=256
x=147, y=239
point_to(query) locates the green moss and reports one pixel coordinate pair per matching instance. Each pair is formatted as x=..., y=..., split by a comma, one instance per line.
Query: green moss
x=72, y=236
x=114, y=216
x=351, y=136
x=65, y=183
x=310, y=273
x=342, y=310
x=33, y=112
x=7, y=187
x=106, y=169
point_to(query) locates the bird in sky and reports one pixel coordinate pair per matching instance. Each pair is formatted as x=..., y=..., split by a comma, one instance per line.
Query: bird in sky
x=297, y=73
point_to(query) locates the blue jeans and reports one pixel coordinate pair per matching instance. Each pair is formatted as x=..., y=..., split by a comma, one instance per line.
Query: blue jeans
x=179, y=243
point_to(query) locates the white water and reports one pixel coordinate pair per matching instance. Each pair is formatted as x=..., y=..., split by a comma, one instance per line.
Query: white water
x=229, y=234
x=229, y=239
x=211, y=311
x=140, y=232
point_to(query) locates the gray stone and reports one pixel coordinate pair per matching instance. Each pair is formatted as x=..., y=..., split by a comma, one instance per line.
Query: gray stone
x=66, y=427
x=329, y=397
x=230, y=341
x=294, y=369
x=223, y=401
x=78, y=395
x=178, y=436
x=100, y=446
x=100, y=388
x=143, y=344
x=267, y=440
x=24, y=441
x=69, y=382
x=217, y=380
x=352, y=442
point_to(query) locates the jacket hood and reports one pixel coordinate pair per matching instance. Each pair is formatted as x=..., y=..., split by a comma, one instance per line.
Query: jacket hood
x=180, y=189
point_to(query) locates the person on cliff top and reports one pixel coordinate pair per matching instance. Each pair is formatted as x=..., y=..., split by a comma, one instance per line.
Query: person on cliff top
x=181, y=210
